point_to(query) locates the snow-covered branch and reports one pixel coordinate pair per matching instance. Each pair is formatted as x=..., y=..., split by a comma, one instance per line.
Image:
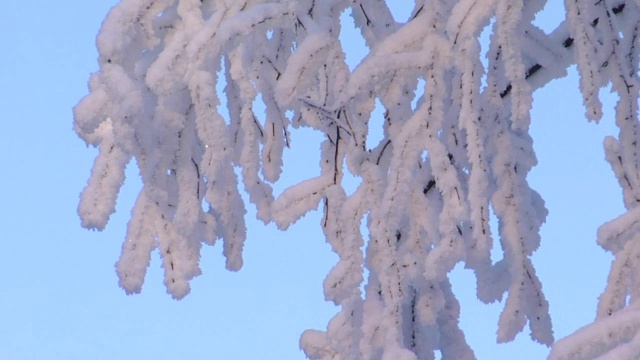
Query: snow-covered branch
x=179, y=88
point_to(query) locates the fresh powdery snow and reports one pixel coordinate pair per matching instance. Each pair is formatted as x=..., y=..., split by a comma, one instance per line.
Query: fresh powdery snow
x=426, y=190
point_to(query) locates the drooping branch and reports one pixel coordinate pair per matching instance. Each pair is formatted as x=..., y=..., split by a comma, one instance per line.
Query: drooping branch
x=195, y=90
x=561, y=32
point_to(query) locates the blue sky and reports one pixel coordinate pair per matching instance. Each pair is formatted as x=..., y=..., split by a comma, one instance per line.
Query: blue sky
x=59, y=297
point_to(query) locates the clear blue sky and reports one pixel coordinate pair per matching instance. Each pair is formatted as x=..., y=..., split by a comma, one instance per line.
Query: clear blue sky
x=59, y=297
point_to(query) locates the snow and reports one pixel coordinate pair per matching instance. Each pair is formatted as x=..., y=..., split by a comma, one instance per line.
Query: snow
x=426, y=189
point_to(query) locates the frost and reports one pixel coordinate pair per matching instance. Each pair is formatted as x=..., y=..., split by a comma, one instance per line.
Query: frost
x=426, y=186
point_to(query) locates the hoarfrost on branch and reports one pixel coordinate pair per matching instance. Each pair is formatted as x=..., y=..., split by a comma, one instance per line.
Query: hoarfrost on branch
x=426, y=190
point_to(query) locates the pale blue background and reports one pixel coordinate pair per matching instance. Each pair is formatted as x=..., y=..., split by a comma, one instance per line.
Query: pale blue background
x=59, y=297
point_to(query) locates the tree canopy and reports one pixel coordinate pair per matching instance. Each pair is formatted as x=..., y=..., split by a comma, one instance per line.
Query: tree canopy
x=455, y=149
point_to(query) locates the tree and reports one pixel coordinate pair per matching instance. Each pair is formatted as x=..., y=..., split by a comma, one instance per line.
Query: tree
x=455, y=148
